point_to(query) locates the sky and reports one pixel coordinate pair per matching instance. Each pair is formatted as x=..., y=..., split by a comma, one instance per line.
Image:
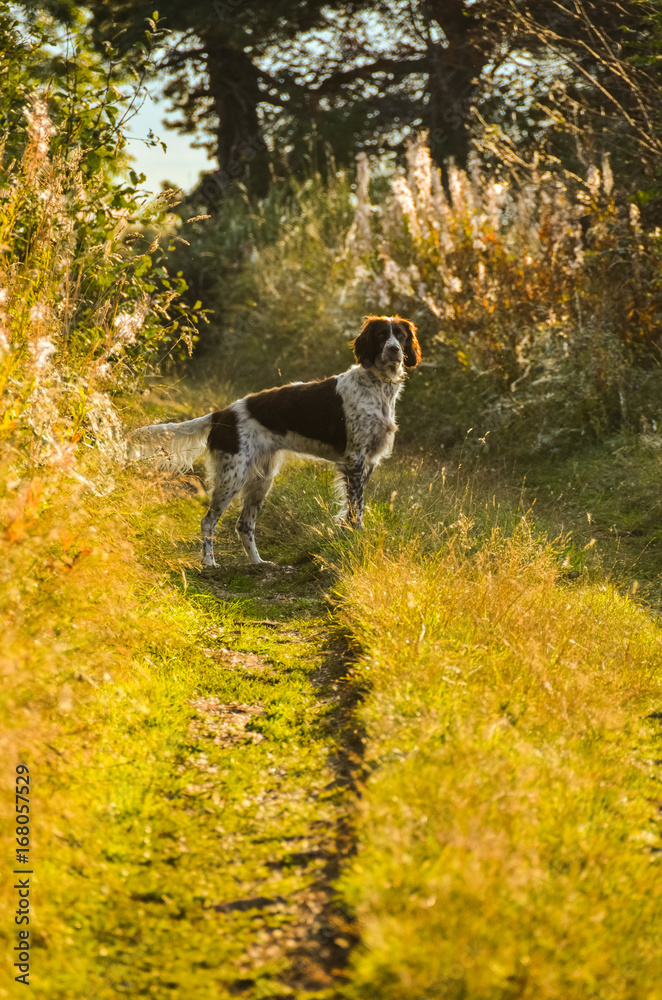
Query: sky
x=180, y=165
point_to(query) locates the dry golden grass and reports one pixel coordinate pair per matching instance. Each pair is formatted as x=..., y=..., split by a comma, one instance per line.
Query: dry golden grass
x=509, y=826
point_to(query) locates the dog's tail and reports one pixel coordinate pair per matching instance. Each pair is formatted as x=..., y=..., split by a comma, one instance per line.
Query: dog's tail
x=175, y=446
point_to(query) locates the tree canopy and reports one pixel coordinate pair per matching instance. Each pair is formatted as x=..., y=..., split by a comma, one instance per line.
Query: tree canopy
x=261, y=84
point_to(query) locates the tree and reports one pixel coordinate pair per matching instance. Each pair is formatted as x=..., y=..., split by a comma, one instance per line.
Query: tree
x=261, y=84
x=608, y=93
x=211, y=66
x=286, y=74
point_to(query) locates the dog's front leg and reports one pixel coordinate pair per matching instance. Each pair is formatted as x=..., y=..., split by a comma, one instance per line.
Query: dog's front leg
x=356, y=472
x=229, y=477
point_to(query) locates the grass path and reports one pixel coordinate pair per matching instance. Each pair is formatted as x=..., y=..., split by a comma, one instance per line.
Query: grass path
x=285, y=638
x=187, y=736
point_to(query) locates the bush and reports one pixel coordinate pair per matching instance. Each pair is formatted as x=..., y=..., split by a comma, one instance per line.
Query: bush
x=86, y=300
x=275, y=275
x=544, y=285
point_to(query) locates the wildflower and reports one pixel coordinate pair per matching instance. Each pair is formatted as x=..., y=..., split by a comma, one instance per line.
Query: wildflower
x=420, y=174
x=495, y=196
x=432, y=306
x=42, y=412
x=593, y=181
x=405, y=200
x=62, y=454
x=461, y=190
x=41, y=351
x=359, y=233
x=128, y=325
x=38, y=313
x=442, y=214
x=607, y=176
x=40, y=128
x=105, y=425
x=397, y=277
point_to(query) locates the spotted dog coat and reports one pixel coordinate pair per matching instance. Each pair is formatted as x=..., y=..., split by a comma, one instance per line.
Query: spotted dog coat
x=347, y=419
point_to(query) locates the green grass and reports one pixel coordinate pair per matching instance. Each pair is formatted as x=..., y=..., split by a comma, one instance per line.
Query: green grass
x=155, y=819
x=609, y=493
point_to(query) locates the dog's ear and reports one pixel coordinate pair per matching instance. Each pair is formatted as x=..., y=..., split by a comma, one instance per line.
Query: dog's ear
x=412, y=348
x=366, y=345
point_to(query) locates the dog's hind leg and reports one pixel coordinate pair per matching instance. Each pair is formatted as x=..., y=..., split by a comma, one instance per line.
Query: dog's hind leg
x=254, y=494
x=229, y=475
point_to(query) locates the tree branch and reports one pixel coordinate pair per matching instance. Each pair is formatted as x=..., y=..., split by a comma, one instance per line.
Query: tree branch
x=398, y=67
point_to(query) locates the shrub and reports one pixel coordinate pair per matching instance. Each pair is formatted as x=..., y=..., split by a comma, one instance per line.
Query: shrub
x=86, y=300
x=275, y=275
x=545, y=284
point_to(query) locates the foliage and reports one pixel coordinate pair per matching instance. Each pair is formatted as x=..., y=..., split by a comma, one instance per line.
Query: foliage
x=216, y=74
x=259, y=82
x=86, y=300
x=537, y=293
x=280, y=289
x=602, y=94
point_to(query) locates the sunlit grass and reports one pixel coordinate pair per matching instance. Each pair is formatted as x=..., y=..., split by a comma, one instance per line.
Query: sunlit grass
x=508, y=829
x=141, y=827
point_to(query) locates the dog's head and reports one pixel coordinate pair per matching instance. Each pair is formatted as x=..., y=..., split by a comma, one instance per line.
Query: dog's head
x=386, y=343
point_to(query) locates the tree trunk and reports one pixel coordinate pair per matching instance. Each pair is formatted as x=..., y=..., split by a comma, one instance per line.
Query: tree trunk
x=451, y=81
x=241, y=151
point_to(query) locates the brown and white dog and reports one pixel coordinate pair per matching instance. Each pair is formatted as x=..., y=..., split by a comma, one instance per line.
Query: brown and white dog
x=347, y=419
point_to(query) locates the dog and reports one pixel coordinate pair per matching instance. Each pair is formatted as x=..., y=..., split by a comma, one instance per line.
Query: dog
x=348, y=419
